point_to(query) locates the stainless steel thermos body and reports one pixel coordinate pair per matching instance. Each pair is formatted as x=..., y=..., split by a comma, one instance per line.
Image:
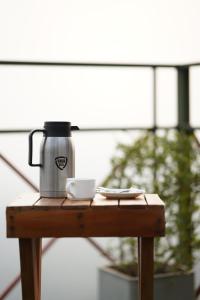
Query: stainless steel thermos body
x=57, y=164
x=57, y=158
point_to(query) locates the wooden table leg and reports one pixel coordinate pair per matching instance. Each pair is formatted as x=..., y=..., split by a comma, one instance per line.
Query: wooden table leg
x=30, y=260
x=38, y=250
x=145, y=268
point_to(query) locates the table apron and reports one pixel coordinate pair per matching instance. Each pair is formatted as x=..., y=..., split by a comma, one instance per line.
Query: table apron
x=90, y=222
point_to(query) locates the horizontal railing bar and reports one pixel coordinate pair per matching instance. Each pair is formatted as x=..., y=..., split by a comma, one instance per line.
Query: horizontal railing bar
x=92, y=64
x=85, y=64
x=7, y=131
x=195, y=64
x=12, y=131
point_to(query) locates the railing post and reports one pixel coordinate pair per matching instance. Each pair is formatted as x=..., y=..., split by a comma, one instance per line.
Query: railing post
x=183, y=98
x=154, y=98
x=154, y=125
x=186, y=228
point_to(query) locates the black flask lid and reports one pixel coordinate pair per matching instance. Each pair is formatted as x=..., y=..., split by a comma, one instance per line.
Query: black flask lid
x=61, y=129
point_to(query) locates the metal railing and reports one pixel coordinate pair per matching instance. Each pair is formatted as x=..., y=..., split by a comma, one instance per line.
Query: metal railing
x=183, y=122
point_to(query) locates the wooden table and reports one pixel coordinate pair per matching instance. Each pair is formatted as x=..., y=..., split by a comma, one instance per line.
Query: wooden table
x=30, y=218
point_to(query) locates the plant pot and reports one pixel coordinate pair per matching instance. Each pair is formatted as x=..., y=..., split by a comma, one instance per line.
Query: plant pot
x=114, y=285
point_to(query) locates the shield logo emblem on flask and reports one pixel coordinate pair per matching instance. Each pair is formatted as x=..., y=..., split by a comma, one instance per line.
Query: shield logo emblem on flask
x=61, y=162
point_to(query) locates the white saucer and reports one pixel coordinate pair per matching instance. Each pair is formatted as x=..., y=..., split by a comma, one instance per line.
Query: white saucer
x=130, y=194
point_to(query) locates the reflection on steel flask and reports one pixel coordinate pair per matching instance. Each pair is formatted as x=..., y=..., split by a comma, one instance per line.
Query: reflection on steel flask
x=57, y=158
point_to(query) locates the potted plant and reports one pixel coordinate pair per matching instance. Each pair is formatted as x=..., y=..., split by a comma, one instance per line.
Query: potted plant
x=167, y=163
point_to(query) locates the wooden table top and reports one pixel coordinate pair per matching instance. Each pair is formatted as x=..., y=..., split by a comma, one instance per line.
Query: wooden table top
x=32, y=216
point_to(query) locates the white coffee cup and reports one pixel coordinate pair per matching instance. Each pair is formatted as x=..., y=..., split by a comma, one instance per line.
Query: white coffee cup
x=80, y=188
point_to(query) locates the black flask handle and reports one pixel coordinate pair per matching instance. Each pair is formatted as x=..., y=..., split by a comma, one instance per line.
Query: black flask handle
x=30, y=151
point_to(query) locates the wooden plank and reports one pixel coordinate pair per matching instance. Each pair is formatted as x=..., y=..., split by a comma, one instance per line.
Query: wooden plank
x=154, y=200
x=100, y=201
x=111, y=221
x=29, y=276
x=138, y=202
x=145, y=268
x=76, y=204
x=49, y=203
x=25, y=200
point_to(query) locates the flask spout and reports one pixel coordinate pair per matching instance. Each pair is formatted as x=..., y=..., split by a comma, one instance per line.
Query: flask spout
x=75, y=128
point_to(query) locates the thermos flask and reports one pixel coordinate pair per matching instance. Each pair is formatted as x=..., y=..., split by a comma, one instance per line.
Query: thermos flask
x=57, y=158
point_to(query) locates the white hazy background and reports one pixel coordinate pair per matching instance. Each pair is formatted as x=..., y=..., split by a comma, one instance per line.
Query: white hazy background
x=142, y=31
